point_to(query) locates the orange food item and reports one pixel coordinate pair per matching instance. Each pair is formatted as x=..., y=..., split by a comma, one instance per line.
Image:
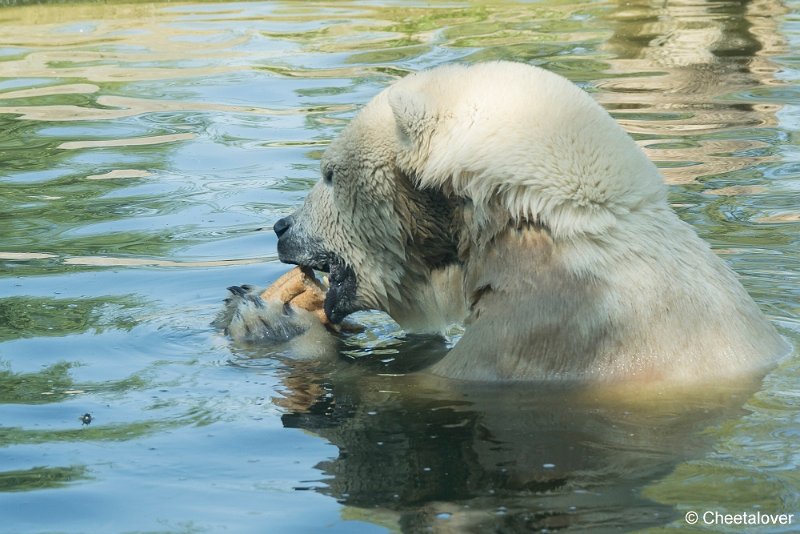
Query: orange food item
x=300, y=288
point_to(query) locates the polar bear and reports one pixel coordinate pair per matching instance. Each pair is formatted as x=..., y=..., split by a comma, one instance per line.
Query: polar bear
x=502, y=196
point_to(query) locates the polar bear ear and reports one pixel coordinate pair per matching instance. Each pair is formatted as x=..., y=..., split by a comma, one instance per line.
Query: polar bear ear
x=414, y=113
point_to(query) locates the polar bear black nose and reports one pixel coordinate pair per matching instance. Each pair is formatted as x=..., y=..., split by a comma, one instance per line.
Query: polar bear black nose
x=281, y=226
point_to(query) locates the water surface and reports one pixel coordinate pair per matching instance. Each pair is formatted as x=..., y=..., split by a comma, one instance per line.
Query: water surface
x=145, y=151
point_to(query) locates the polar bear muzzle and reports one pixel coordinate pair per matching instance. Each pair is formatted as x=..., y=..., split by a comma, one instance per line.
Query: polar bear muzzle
x=298, y=248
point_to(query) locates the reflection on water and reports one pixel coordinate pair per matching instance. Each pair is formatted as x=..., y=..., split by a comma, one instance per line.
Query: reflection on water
x=35, y=317
x=693, y=74
x=487, y=458
x=147, y=149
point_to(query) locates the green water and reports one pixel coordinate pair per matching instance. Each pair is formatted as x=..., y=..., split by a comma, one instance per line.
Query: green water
x=146, y=150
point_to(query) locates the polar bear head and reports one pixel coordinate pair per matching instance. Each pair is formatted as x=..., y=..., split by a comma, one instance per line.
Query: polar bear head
x=497, y=142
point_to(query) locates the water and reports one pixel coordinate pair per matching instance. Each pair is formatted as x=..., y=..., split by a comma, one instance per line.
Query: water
x=146, y=150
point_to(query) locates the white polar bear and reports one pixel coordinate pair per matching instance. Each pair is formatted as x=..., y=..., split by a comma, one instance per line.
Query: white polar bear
x=503, y=196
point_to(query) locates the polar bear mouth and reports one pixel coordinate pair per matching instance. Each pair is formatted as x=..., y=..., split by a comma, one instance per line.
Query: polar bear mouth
x=308, y=252
x=340, y=297
x=340, y=286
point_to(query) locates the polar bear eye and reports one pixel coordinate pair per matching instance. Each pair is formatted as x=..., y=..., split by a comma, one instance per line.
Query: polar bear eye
x=327, y=175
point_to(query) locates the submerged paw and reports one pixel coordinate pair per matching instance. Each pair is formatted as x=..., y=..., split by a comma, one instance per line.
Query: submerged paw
x=248, y=317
